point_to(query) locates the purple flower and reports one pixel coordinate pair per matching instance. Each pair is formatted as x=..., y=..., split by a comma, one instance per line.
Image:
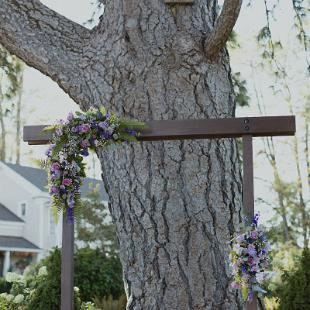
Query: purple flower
x=131, y=132
x=49, y=150
x=67, y=182
x=254, y=234
x=84, y=152
x=240, y=238
x=251, y=250
x=59, y=131
x=75, y=129
x=251, y=295
x=235, y=285
x=85, y=144
x=103, y=125
x=54, y=190
x=243, y=269
x=84, y=128
x=70, y=116
x=55, y=167
x=255, y=219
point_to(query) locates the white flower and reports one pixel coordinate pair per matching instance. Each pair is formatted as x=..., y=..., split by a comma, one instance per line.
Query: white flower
x=18, y=299
x=42, y=271
x=7, y=296
x=12, y=277
x=262, y=276
x=76, y=289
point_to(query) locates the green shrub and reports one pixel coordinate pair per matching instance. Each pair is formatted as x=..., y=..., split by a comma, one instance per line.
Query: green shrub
x=108, y=303
x=96, y=275
x=294, y=292
x=39, y=287
x=4, y=286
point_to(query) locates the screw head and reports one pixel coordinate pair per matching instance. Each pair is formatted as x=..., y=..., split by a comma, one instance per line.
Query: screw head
x=247, y=128
x=246, y=121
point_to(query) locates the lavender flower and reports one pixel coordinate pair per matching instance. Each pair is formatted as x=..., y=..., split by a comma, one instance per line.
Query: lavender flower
x=66, y=182
x=251, y=250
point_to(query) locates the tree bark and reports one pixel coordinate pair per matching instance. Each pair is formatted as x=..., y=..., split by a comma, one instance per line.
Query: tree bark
x=3, y=129
x=176, y=204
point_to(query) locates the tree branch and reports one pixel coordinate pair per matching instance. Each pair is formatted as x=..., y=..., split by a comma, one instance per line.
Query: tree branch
x=42, y=38
x=223, y=28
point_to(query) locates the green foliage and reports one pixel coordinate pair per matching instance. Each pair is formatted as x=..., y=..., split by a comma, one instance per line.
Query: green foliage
x=29, y=291
x=4, y=286
x=94, y=227
x=4, y=303
x=241, y=93
x=232, y=42
x=47, y=295
x=294, y=291
x=111, y=304
x=97, y=275
x=12, y=67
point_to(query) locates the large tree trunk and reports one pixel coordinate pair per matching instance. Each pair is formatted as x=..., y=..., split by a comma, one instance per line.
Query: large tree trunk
x=175, y=204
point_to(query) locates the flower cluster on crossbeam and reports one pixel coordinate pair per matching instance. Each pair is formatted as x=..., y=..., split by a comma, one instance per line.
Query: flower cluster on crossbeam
x=71, y=141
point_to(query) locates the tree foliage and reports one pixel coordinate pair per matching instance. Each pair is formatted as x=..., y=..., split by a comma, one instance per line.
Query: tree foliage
x=294, y=292
x=95, y=227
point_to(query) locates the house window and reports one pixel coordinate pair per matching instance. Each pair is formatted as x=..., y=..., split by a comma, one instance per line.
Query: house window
x=23, y=209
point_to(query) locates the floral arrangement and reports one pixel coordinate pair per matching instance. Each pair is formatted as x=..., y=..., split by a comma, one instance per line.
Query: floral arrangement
x=71, y=141
x=250, y=261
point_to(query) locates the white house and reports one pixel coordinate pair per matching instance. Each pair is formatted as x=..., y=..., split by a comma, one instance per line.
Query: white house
x=27, y=227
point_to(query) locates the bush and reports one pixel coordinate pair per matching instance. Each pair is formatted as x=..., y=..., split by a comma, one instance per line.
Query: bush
x=111, y=304
x=4, y=286
x=39, y=287
x=96, y=275
x=294, y=292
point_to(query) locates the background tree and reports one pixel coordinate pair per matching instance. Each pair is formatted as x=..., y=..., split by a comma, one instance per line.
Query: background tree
x=95, y=227
x=11, y=76
x=175, y=204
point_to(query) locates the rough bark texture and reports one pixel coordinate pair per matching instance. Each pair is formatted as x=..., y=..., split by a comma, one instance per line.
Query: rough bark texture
x=175, y=204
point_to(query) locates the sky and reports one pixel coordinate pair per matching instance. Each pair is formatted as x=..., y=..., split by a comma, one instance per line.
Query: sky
x=44, y=101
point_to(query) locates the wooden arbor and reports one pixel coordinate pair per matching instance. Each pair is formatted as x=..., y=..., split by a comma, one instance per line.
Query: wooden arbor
x=247, y=128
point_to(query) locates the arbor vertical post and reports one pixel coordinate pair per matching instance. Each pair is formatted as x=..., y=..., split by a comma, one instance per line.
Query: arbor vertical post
x=248, y=190
x=67, y=251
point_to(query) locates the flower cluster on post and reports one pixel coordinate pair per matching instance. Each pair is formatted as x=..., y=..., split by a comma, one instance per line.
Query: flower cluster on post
x=250, y=261
x=71, y=141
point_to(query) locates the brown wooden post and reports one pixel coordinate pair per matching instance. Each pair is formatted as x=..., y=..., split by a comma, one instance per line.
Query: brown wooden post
x=67, y=251
x=248, y=190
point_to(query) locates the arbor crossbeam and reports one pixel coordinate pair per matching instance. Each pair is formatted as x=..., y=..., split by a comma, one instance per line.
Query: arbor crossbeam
x=195, y=129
